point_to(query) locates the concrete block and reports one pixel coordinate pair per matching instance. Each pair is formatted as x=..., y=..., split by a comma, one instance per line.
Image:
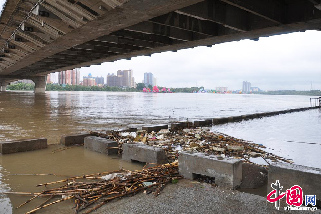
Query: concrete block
x=181, y=125
x=209, y=122
x=154, y=128
x=144, y=153
x=227, y=172
x=101, y=145
x=253, y=176
x=222, y=120
x=176, y=126
x=260, y=115
x=22, y=145
x=198, y=123
x=307, y=178
x=237, y=118
x=69, y=140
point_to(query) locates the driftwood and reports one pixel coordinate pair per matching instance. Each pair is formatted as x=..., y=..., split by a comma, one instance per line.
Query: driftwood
x=91, y=195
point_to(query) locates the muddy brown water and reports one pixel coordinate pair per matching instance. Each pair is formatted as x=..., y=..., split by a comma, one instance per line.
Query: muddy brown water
x=25, y=115
x=20, y=173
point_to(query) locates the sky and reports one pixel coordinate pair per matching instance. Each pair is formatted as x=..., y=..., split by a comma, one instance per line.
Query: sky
x=282, y=62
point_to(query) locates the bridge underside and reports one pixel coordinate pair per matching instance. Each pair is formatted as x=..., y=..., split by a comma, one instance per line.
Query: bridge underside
x=57, y=35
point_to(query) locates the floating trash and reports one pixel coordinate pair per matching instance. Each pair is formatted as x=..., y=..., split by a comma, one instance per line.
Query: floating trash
x=197, y=140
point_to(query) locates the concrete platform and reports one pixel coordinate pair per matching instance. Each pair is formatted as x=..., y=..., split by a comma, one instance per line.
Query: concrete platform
x=22, y=145
x=101, y=145
x=70, y=140
x=227, y=172
x=308, y=178
x=144, y=153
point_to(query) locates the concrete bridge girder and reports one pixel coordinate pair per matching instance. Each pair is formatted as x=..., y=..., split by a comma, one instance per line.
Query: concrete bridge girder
x=106, y=30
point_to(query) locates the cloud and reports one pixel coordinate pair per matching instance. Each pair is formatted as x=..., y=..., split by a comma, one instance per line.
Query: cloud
x=290, y=61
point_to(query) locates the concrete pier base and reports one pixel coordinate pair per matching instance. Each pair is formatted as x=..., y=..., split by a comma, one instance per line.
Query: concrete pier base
x=3, y=86
x=144, y=154
x=307, y=178
x=70, y=140
x=40, y=84
x=22, y=145
x=227, y=172
x=253, y=176
x=101, y=145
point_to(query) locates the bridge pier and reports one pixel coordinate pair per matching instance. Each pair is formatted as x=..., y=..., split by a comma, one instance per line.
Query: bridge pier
x=40, y=84
x=3, y=86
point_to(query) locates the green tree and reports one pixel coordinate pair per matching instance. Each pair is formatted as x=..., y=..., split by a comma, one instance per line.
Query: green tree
x=140, y=86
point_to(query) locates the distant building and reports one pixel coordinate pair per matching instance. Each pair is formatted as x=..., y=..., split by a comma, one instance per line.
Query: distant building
x=69, y=77
x=149, y=79
x=255, y=89
x=48, y=81
x=113, y=80
x=246, y=87
x=124, y=78
x=89, y=81
x=127, y=79
x=100, y=80
x=221, y=89
x=51, y=78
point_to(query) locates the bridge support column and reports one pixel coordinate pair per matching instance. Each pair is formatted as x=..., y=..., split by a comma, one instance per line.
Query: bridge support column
x=3, y=86
x=40, y=84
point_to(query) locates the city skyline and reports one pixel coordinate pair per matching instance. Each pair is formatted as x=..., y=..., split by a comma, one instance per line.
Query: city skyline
x=288, y=61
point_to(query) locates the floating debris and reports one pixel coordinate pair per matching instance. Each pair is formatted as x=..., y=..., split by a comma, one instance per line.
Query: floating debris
x=90, y=195
x=195, y=140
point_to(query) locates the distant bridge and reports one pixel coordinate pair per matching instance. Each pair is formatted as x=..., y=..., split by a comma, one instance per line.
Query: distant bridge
x=43, y=36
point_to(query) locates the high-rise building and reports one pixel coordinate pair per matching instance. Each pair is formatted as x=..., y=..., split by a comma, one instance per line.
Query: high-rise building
x=113, y=80
x=246, y=87
x=127, y=79
x=69, y=77
x=48, y=81
x=75, y=76
x=100, y=80
x=124, y=78
x=149, y=79
x=89, y=81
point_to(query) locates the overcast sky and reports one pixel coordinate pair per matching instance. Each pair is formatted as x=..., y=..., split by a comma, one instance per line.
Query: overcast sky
x=290, y=61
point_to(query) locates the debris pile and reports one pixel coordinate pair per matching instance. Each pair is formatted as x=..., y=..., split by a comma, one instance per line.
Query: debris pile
x=90, y=192
x=194, y=140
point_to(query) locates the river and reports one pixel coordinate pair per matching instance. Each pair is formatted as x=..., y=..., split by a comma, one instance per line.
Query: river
x=295, y=136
